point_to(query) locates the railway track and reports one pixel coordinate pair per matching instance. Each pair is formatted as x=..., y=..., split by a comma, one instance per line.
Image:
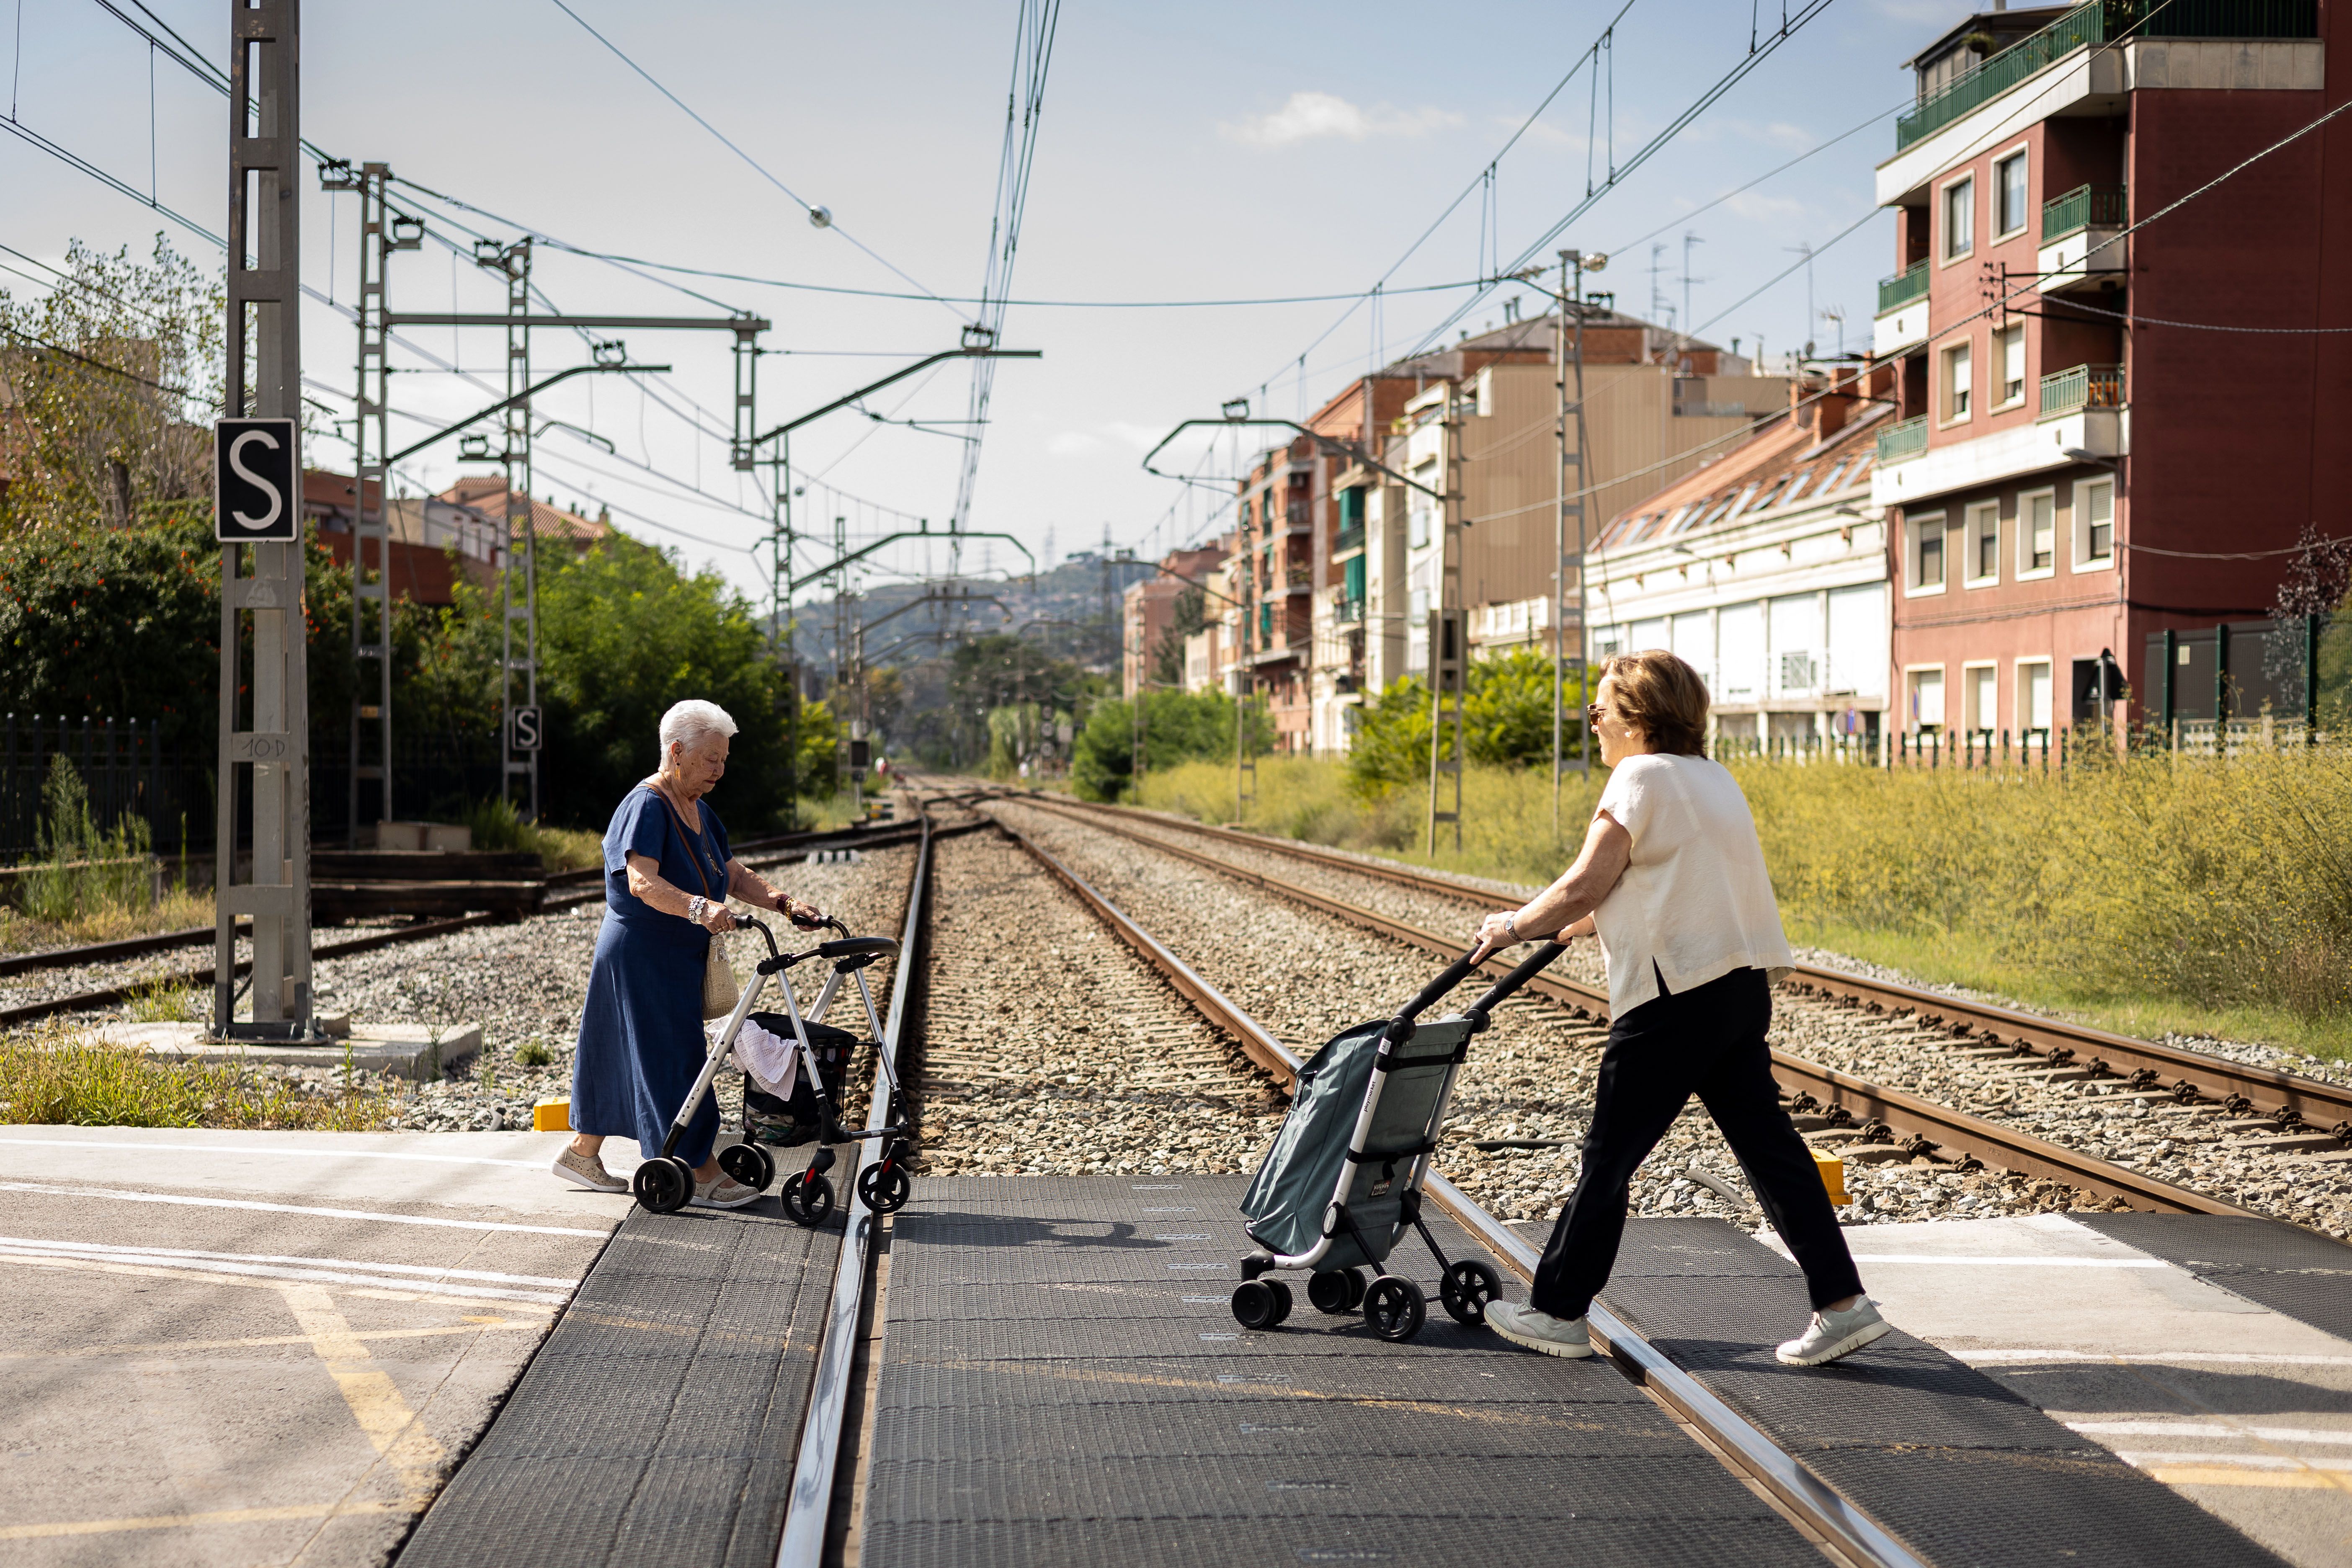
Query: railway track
x=568, y=890
x=1842, y=1099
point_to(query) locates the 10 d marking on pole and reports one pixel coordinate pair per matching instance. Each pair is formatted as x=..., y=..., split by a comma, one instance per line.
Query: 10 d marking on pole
x=526, y=728
x=254, y=494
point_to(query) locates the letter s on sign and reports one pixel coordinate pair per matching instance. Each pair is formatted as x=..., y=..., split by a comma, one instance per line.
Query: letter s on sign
x=236, y=463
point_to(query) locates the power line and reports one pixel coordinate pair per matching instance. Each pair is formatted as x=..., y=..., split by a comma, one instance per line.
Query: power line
x=753, y=164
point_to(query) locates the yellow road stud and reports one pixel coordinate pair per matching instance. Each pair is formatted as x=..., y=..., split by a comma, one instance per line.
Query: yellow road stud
x=555, y=1116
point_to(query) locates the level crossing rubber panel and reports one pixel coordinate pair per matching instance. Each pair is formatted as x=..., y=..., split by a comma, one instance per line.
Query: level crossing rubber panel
x=2295, y=1272
x=1948, y=1459
x=660, y=1422
x=1062, y=1382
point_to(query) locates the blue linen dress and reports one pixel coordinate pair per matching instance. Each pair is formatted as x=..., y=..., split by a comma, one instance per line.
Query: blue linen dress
x=641, y=1039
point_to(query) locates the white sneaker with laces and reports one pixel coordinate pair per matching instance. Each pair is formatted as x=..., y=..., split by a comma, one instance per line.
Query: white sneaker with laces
x=1523, y=1325
x=723, y=1192
x=1833, y=1334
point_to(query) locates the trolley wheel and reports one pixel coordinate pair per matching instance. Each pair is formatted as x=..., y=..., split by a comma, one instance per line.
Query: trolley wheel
x=1355, y=1278
x=1467, y=1287
x=750, y=1164
x=884, y=1188
x=1329, y=1291
x=1256, y=1306
x=1395, y=1308
x=663, y=1184
x=807, y=1199
x=1281, y=1301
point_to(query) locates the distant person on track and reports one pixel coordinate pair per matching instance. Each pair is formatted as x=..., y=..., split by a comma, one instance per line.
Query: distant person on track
x=667, y=876
x=1672, y=881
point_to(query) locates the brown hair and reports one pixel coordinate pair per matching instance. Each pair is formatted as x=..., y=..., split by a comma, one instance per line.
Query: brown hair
x=1663, y=697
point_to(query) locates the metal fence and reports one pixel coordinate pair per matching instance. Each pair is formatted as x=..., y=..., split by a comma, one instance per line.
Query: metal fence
x=130, y=772
x=126, y=770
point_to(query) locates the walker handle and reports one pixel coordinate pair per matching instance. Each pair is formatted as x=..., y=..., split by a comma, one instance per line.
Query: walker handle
x=1400, y=1027
x=1509, y=982
x=763, y=930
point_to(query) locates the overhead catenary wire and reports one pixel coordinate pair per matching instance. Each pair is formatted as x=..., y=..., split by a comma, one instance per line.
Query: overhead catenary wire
x=753, y=164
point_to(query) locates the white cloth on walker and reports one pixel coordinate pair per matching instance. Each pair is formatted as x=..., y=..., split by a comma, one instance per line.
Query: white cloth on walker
x=771, y=1060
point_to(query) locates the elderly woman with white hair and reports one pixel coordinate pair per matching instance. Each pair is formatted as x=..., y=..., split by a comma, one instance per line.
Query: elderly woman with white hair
x=668, y=873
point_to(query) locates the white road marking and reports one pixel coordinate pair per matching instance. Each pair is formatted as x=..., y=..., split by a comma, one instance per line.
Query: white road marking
x=2013, y=1262
x=265, y=1271
x=297, y=1209
x=122, y=1148
x=2233, y=1462
x=150, y=1254
x=2208, y=1429
x=2161, y=1358
x=390, y=1291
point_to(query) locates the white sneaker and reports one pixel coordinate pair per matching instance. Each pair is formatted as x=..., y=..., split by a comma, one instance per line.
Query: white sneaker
x=1540, y=1330
x=1833, y=1334
x=723, y=1192
x=587, y=1171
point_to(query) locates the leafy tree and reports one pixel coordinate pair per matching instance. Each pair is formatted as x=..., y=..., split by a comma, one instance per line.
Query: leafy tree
x=1187, y=615
x=1178, y=726
x=115, y=373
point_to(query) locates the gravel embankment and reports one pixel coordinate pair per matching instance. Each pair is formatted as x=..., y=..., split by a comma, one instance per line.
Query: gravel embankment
x=1307, y=977
x=1050, y=1048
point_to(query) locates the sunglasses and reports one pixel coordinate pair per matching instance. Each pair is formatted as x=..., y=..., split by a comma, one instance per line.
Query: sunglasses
x=1592, y=714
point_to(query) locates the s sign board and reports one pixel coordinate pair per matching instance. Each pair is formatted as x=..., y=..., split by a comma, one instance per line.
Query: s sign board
x=257, y=493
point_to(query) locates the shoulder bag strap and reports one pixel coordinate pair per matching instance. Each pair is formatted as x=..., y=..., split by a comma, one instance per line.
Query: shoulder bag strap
x=684, y=837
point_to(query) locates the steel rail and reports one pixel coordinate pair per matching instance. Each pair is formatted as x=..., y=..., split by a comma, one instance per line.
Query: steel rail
x=809, y=1505
x=1955, y=1131
x=1747, y=1447
x=2310, y=1101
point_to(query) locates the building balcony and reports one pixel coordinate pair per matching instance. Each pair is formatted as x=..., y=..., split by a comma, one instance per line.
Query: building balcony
x=1901, y=289
x=1984, y=461
x=2027, y=57
x=1898, y=442
x=1352, y=540
x=2085, y=386
x=1348, y=611
x=2075, y=231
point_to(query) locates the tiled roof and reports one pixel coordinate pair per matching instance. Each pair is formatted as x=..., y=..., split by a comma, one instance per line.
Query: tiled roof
x=488, y=493
x=1783, y=464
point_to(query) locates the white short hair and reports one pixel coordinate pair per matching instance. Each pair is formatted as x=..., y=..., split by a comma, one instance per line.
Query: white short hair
x=688, y=721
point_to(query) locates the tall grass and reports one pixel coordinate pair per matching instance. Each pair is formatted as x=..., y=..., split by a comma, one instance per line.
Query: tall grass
x=92, y=882
x=497, y=825
x=2153, y=894
x=57, y=1077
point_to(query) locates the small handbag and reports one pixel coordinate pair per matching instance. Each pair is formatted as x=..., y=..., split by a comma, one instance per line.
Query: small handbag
x=720, y=992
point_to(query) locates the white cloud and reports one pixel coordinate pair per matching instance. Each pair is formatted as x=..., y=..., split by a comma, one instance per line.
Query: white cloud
x=1072, y=444
x=1310, y=115
x=1937, y=13
x=1116, y=432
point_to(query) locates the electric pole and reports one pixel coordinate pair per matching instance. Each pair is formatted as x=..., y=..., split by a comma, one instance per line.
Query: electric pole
x=519, y=584
x=262, y=400
x=1448, y=656
x=1568, y=350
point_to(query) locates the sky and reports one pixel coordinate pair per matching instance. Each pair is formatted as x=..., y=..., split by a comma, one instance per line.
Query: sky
x=1211, y=152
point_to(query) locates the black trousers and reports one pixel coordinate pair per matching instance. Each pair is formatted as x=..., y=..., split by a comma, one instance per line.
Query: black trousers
x=1708, y=1041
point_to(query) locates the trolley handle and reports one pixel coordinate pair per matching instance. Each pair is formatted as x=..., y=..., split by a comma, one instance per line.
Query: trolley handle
x=1509, y=982
x=1401, y=1027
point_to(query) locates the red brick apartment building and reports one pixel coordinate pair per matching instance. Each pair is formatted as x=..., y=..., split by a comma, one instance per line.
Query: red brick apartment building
x=1149, y=612
x=2070, y=471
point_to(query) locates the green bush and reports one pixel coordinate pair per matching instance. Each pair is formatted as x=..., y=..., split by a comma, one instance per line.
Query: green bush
x=1507, y=718
x=1178, y=727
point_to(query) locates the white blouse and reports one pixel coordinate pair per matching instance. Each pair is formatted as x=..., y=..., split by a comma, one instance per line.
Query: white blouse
x=1695, y=901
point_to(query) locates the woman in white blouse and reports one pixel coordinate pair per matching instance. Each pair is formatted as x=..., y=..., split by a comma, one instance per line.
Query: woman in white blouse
x=1672, y=881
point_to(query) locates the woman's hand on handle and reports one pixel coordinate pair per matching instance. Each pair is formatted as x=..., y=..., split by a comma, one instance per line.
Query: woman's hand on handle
x=1495, y=932
x=718, y=918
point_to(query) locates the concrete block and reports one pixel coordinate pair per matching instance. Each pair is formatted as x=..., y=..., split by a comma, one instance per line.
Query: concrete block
x=551, y=1116
x=407, y=1050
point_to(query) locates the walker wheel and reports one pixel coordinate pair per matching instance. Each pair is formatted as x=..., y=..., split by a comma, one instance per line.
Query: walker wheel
x=1256, y=1306
x=1328, y=1289
x=807, y=1199
x=1394, y=1307
x=1467, y=1287
x=1355, y=1278
x=663, y=1184
x=750, y=1164
x=884, y=1188
x=1281, y=1301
